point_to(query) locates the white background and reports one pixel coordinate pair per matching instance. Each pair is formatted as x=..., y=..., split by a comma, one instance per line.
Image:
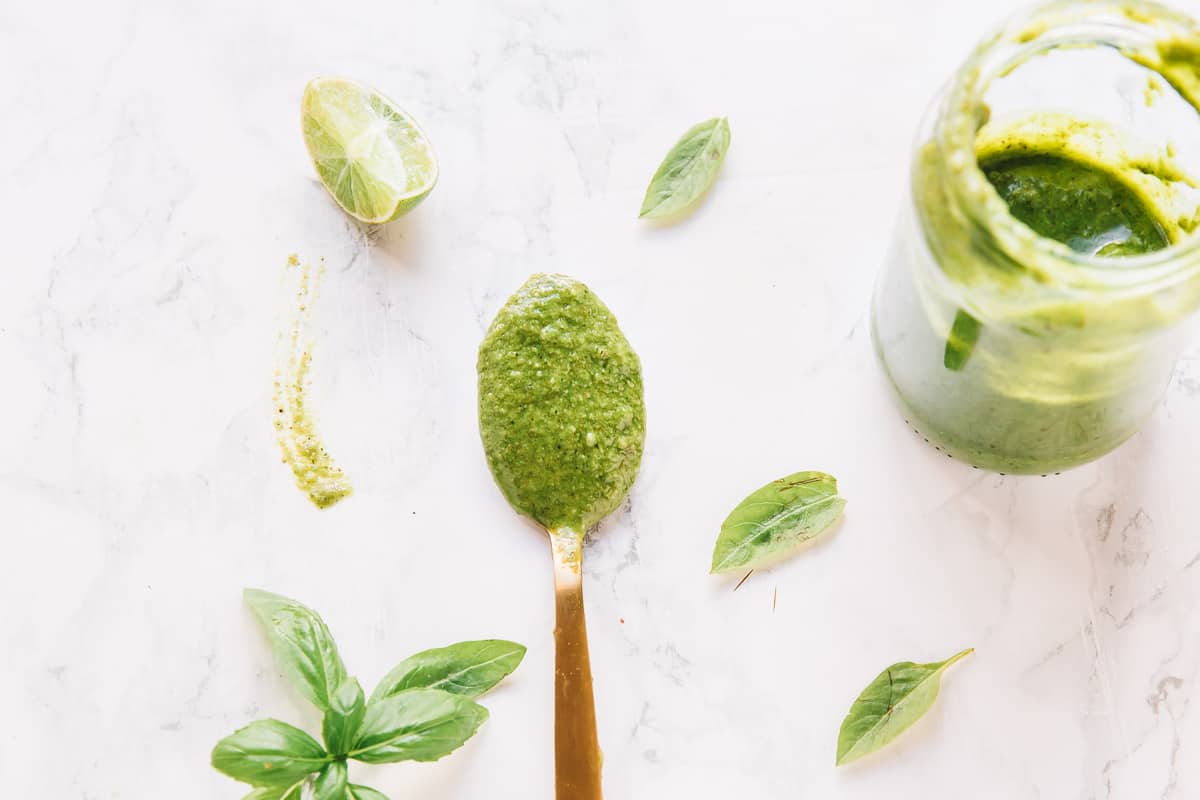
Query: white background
x=153, y=184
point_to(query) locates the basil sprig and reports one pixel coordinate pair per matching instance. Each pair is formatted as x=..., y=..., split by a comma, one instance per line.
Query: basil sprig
x=423, y=710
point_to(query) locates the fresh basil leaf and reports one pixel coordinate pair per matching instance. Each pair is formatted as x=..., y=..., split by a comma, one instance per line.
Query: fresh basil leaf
x=293, y=792
x=775, y=518
x=356, y=792
x=416, y=725
x=268, y=753
x=303, y=645
x=964, y=333
x=688, y=170
x=466, y=668
x=331, y=783
x=346, y=710
x=889, y=705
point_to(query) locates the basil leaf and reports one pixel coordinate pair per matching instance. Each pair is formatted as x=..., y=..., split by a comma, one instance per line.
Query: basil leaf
x=466, y=668
x=356, y=792
x=346, y=710
x=775, y=518
x=688, y=170
x=894, y=701
x=416, y=725
x=303, y=645
x=331, y=783
x=964, y=333
x=293, y=792
x=268, y=753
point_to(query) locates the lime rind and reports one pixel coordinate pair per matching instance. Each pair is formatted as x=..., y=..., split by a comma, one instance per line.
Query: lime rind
x=369, y=154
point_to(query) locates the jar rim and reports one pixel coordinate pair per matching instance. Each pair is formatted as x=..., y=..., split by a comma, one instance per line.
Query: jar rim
x=1049, y=26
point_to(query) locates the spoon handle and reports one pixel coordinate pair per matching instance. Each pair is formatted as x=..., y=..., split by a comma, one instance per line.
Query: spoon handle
x=576, y=746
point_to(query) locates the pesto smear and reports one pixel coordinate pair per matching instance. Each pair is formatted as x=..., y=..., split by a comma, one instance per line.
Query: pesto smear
x=316, y=473
x=560, y=404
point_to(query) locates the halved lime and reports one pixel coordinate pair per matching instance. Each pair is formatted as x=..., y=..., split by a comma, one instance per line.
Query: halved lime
x=370, y=155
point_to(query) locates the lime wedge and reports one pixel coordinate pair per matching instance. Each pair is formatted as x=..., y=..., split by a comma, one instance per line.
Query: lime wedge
x=370, y=155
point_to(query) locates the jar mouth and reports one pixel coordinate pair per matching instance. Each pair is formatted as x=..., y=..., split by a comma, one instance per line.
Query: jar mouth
x=1135, y=33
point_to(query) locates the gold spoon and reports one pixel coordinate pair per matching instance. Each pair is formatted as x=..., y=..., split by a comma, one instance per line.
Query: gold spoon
x=562, y=418
x=577, y=758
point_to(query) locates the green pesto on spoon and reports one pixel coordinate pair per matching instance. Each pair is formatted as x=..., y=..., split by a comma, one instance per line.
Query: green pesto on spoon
x=563, y=422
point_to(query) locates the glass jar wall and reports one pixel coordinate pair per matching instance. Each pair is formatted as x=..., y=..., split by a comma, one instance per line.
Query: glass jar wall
x=1031, y=309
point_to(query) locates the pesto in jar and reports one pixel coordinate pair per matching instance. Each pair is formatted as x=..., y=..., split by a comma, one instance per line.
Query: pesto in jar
x=1029, y=315
x=1087, y=208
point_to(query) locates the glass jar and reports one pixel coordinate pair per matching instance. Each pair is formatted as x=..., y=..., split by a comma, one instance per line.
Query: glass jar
x=1009, y=350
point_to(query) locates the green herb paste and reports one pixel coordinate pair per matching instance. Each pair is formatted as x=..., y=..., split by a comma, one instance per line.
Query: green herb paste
x=316, y=473
x=560, y=404
x=1041, y=391
x=1088, y=209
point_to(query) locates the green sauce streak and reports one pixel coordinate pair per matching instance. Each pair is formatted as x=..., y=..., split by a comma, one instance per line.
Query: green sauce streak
x=560, y=404
x=317, y=475
x=1088, y=209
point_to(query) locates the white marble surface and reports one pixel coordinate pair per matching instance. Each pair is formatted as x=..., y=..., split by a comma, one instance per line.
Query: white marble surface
x=153, y=184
